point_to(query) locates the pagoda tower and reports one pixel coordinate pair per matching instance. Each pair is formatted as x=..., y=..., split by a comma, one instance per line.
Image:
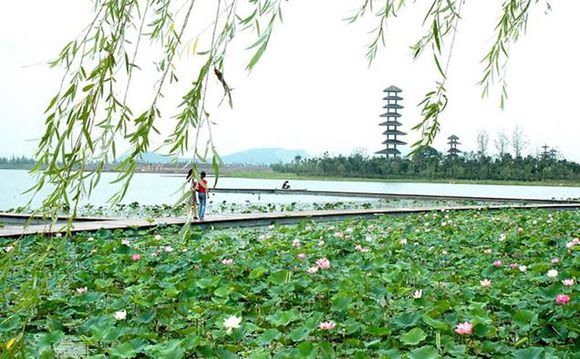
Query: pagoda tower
x=453, y=142
x=392, y=107
x=546, y=152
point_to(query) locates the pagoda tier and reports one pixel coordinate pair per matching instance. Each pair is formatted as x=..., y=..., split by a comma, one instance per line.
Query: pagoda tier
x=392, y=105
x=394, y=132
x=392, y=98
x=453, y=143
x=390, y=123
x=394, y=142
x=453, y=151
x=389, y=151
x=391, y=114
x=392, y=89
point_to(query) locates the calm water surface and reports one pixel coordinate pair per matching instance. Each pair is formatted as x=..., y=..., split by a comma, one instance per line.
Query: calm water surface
x=151, y=188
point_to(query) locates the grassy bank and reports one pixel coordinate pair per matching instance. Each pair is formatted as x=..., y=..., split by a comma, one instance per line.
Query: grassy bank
x=294, y=176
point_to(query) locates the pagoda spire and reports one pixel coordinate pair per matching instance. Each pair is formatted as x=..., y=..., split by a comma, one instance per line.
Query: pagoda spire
x=453, y=142
x=392, y=115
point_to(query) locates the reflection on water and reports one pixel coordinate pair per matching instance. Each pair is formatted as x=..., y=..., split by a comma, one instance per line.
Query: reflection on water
x=151, y=189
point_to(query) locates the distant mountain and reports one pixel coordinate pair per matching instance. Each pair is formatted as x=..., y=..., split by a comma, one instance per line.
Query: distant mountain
x=151, y=158
x=253, y=156
x=263, y=156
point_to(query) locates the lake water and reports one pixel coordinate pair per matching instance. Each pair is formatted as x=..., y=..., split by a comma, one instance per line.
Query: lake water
x=151, y=188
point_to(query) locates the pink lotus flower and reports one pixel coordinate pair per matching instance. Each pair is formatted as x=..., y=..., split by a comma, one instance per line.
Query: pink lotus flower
x=296, y=243
x=82, y=290
x=136, y=257
x=486, y=283
x=497, y=263
x=555, y=260
x=464, y=328
x=514, y=266
x=228, y=262
x=301, y=256
x=312, y=270
x=323, y=263
x=572, y=243
x=327, y=325
x=568, y=282
x=361, y=249
x=562, y=299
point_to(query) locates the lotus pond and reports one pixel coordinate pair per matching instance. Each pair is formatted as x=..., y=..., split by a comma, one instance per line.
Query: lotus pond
x=491, y=284
x=137, y=210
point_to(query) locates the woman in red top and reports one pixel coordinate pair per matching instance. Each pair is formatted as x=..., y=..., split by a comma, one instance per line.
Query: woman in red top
x=202, y=190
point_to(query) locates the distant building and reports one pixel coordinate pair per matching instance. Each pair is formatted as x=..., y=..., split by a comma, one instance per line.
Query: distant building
x=545, y=152
x=392, y=114
x=453, y=142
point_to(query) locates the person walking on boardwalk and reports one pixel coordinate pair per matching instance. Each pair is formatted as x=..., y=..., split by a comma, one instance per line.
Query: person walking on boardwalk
x=194, y=188
x=202, y=191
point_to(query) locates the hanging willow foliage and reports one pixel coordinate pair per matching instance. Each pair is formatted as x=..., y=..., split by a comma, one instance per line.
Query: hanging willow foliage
x=89, y=117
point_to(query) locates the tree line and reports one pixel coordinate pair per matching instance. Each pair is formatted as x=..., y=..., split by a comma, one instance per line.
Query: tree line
x=16, y=162
x=429, y=163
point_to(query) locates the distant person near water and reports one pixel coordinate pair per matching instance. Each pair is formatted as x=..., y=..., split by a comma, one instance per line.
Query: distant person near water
x=194, y=188
x=202, y=191
x=286, y=185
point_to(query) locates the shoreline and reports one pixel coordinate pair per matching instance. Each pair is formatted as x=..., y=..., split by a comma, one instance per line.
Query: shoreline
x=293, y=176
x=272, y=175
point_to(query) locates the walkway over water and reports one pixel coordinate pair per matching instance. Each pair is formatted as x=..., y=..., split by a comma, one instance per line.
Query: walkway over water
x=384, y=195
x=240, y=220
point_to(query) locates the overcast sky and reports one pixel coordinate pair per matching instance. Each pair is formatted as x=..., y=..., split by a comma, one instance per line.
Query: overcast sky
x=313, y=89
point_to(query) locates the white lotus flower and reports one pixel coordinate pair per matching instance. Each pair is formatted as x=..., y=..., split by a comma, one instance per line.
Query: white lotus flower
x=120, y=315
x=232, y=323
x=552, y=273
x=82, y=290
x=9, y=249
x=418, y=294
x=157, y=236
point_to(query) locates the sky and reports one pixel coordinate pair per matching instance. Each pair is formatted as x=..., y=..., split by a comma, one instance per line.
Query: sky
x=313, y=89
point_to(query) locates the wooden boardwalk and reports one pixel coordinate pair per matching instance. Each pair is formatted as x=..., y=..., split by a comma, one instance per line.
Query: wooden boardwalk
x=250, y=219
x=386, y=195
